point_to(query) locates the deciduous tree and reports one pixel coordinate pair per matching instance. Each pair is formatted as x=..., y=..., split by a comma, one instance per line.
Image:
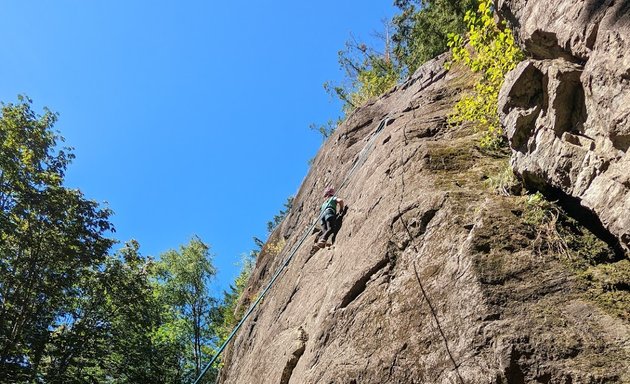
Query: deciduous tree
x=184, y=279
x=51, y=237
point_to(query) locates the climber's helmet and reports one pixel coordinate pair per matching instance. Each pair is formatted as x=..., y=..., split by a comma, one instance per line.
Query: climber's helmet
x=330, y=191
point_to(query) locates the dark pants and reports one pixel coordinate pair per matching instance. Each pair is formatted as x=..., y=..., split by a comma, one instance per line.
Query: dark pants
x=328, y=225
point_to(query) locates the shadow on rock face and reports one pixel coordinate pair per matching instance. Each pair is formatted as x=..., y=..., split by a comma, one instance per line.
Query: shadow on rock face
x=593, y=8
x=540, y=94
x=338, y=224
x=623, y=11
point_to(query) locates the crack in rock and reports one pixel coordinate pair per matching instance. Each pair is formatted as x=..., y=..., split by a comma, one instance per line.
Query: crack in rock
x=296, y=354
x=360, y=285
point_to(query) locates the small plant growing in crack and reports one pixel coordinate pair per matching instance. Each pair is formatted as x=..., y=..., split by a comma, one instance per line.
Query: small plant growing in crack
x=274, y=248
x=542, y=216
x=504, y=182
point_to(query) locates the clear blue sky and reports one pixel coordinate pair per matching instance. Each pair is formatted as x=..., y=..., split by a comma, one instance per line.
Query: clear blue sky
x=187, y=117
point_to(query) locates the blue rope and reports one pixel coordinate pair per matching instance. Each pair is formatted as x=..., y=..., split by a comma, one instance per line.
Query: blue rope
x=360, y=159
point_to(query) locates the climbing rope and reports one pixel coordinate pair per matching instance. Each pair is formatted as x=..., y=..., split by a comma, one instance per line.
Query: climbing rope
x=415, y=269
x=360, y=160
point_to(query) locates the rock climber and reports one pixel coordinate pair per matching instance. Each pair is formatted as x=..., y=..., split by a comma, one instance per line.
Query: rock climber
x=330, y=208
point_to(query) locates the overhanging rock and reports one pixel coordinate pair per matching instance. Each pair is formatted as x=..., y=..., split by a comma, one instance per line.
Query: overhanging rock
x=567, y=111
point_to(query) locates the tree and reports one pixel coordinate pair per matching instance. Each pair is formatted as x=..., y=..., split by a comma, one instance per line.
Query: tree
x=368, y=73
x=51, y=238
x=421, y=30
x=228, y=314
x=420, y=33
x=69, y=311
x=489, y=49
x=232, y=307
x=277, y=219
x=110, y=334
x=184, y=277
x=330, y=126
x=259, y=246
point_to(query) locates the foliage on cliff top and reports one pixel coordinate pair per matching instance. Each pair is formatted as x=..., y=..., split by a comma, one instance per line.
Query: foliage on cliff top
x=488, y=49
x=422, y=29
x=419, y=33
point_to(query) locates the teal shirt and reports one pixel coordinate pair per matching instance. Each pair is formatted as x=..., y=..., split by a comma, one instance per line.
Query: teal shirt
x=330, y=205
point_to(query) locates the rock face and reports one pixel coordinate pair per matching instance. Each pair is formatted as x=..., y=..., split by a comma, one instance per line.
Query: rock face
x=434, y=277
x=567, y=110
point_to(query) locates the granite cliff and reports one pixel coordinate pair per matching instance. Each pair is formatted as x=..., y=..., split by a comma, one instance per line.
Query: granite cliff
x=434, y=276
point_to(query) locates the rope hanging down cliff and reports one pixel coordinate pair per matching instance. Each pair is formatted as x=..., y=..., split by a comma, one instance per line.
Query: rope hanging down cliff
x=360, y=160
